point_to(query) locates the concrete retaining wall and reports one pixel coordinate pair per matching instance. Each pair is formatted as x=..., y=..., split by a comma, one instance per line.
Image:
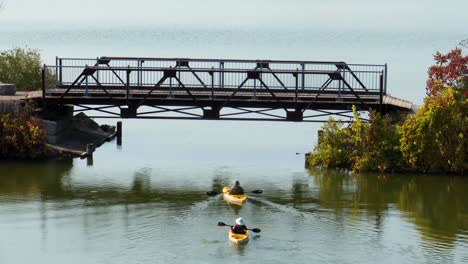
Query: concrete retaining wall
x=10, y=102
x=10, y=106
x=7, y=89
x=53, y=129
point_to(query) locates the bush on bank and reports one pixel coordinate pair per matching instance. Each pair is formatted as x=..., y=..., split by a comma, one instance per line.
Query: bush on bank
x=435, y=138
x=22, y=67
x=432, y=140
x=21, y=137
x=360, y=146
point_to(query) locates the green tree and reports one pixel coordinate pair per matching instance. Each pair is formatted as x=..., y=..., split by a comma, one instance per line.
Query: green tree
x=435, y=137
x=357, y=131
x=21, y=67
x=361, y=146
x=334, y=147
x=379, y=146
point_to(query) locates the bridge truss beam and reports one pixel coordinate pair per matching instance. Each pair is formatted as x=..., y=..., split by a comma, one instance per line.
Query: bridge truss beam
x=196, y=89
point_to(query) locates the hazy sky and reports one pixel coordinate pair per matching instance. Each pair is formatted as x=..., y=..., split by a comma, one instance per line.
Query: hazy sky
x=408, y=14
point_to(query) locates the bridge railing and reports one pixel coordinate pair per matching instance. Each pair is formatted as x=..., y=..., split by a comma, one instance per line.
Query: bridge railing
x=141, y=73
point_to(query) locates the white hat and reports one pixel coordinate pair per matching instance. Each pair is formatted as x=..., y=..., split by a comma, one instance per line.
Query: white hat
x=240, y=221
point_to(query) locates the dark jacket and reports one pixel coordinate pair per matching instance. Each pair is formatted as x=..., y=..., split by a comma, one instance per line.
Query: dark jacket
x=236, y=190
x=239, y=229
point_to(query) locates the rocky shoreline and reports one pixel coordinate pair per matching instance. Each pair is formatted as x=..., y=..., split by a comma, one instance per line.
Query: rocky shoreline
x=67, y=136
x=75, y=136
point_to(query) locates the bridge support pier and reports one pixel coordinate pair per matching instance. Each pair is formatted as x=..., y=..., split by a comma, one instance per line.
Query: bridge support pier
x=64, y=112
x=211, y=113
x=296, y=116
x=129, y=112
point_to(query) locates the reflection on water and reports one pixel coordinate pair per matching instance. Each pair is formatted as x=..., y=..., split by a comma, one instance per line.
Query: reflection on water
x=51, y=181
x=437, y=205
x=33, y=180
x=294, y=212
x=235, y=208
x=238, y=249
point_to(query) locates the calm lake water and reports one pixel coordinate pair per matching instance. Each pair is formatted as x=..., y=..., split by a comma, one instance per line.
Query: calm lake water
x=145, y=201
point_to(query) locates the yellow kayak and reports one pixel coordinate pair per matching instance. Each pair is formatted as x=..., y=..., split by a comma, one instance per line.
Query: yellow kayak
x=238, y=199
x=238, y=238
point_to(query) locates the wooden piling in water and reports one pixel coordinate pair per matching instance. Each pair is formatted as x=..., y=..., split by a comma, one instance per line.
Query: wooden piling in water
x=119, y=133
x=89, y=161
x=306, y=163
x=319, y=136
x=90, y=149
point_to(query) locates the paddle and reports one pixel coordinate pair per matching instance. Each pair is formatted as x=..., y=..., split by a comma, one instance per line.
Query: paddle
x=212, y=193
x=255, y=230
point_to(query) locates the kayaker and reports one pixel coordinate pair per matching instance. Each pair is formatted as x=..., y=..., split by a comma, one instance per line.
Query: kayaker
x=236, y=189
x=239, y=227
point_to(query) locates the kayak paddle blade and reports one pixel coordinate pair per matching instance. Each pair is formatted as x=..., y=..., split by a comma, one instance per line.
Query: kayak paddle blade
x=221, y=224
x=257, y=191
x=212, y=193
x=256, y=230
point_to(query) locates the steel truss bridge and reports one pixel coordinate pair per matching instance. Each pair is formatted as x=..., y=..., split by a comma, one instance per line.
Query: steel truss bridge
x=215, y=89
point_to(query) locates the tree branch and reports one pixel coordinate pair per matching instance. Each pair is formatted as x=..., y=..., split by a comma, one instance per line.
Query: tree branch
x=464, y=43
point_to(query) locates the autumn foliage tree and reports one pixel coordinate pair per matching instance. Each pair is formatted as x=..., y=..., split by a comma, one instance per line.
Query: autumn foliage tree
x=21, y=137
x=450, y=70
x=435, y=138
x=432, y=140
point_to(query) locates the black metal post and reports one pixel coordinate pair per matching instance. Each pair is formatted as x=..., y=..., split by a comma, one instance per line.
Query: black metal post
x=56, y=71
x=303, y=76
x=381, y=110
x=97, y=72
x=222, y=74
x=297, y=85
x=212, y=83
x=44, y=81
x=60, y=73
x=128, y=82
x=385, y=81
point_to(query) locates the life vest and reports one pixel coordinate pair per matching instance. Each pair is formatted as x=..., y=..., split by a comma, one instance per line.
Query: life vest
x=239, y=229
